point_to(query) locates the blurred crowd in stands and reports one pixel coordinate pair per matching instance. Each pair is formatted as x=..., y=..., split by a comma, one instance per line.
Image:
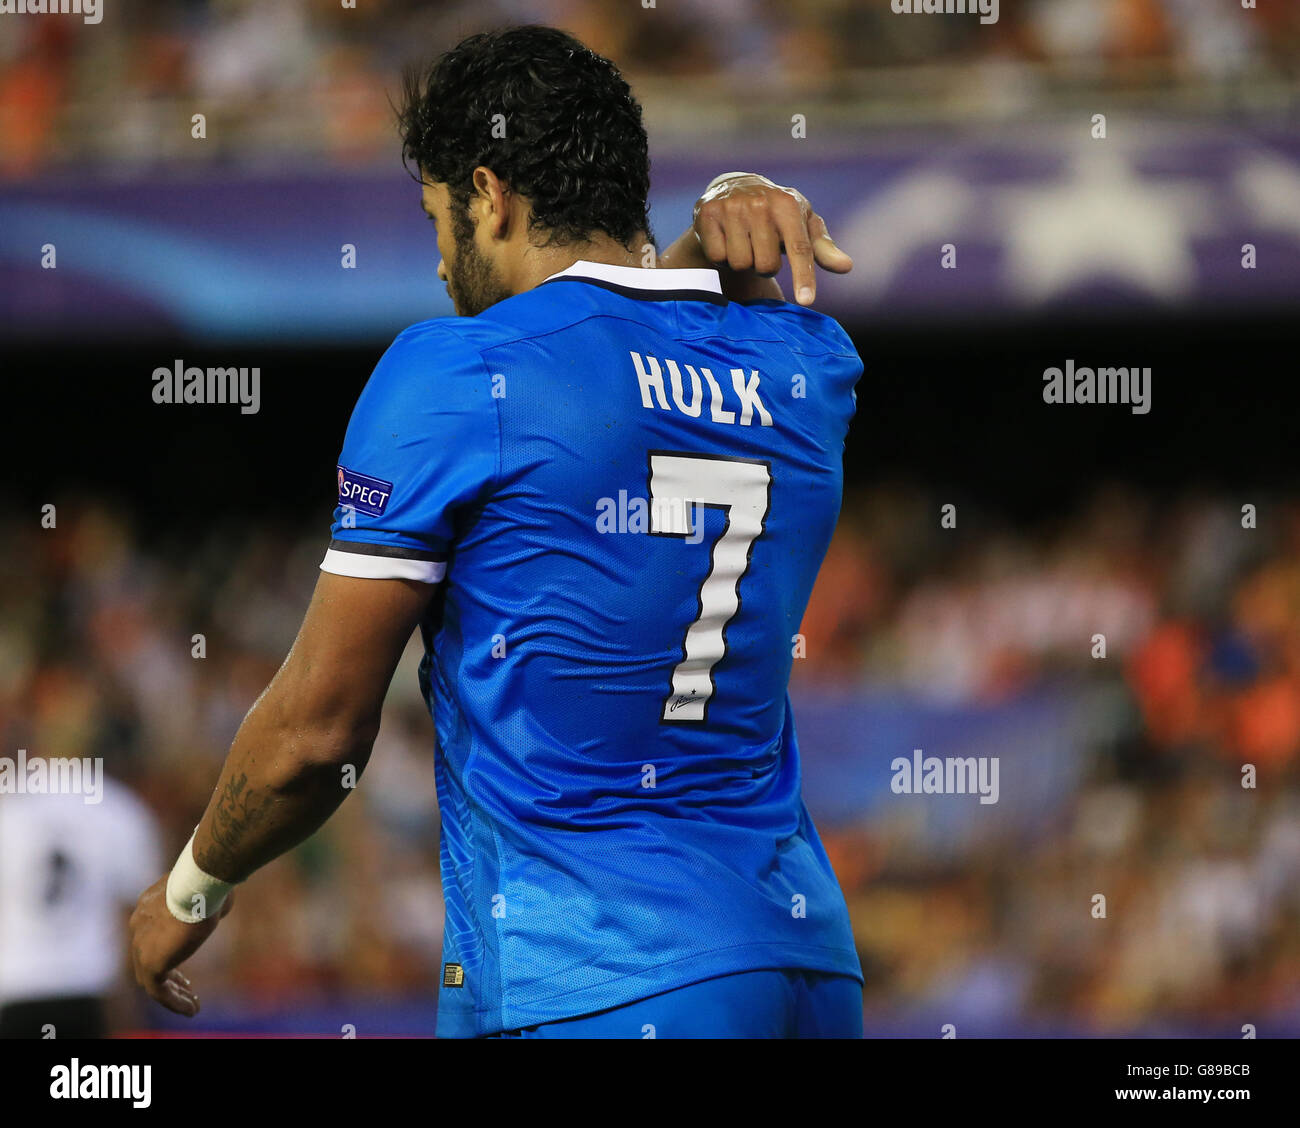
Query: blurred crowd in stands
x=277, y=77
x=101, y=654
x=1201, y=677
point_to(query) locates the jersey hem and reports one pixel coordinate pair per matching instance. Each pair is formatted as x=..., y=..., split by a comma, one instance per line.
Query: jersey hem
x=381, y=566
x=470, y=1023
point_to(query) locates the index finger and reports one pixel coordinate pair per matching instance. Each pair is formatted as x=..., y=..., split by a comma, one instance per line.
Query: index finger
x=792, y=223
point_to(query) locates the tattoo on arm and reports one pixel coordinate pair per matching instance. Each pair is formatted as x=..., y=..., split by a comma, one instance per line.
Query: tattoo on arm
x=239, y=811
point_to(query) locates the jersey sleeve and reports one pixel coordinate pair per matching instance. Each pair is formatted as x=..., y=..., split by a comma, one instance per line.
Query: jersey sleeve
x=421, y=446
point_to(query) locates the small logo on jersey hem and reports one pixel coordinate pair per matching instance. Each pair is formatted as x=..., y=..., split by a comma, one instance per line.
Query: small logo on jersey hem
x=363, y=493
x=453, y=975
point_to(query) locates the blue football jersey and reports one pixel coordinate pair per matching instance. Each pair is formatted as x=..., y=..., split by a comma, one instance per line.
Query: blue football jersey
x=624, y=485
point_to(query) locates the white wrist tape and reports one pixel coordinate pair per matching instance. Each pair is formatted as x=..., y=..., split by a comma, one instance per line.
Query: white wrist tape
x=193, y=895
x=730, y=176
x=718, y=183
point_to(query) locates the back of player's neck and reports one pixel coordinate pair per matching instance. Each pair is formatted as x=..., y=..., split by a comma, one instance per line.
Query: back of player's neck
x=602, y=250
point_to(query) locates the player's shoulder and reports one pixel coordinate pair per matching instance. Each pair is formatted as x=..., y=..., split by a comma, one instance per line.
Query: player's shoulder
x=431, y=363
x=446, y=347
x=803, y=329
x=440, y=345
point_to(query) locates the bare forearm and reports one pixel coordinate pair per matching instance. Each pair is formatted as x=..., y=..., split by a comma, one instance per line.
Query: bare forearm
x=280, y=782
x=287, y=770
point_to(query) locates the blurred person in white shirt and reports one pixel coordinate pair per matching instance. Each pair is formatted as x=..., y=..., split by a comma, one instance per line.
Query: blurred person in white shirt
x=70, y=870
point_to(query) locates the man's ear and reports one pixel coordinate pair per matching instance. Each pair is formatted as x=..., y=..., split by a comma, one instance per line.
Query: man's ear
x=492, y=202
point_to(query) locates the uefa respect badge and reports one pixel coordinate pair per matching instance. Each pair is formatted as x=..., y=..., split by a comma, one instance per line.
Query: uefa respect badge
x=363, y=493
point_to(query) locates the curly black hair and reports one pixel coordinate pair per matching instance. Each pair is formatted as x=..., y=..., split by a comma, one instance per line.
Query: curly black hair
x=573, y=145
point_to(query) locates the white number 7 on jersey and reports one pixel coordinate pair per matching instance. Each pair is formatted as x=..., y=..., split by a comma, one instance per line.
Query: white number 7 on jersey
x=679, y=483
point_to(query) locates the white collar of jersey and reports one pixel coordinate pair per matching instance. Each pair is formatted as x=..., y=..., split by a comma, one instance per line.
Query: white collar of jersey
x=639, y=278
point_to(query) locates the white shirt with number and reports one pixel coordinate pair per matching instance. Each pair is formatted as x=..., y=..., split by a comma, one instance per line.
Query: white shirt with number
x=69, y=870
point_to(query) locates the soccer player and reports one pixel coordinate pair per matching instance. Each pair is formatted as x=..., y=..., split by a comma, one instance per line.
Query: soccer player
x=602, y=493
x=70, y=869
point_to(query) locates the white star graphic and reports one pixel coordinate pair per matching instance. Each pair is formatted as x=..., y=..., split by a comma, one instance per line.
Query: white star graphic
x=1270, y=186
x=1102, y=221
